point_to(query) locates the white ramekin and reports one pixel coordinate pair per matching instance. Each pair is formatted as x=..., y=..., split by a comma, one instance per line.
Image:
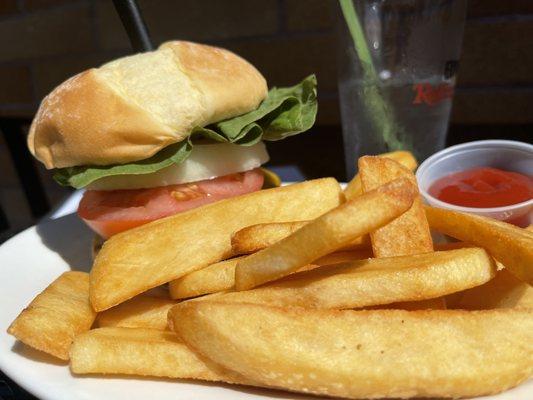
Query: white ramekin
x=504, y=154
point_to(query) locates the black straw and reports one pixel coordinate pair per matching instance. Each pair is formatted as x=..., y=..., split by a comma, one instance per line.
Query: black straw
x=129, y=13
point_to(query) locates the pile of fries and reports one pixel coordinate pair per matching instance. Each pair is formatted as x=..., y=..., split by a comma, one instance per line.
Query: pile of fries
x=305, y=288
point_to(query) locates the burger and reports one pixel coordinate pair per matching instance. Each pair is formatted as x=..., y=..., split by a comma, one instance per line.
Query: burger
x=158, y=133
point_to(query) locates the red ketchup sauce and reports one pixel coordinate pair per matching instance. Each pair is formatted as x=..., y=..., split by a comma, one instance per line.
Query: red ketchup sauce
x=483, y=188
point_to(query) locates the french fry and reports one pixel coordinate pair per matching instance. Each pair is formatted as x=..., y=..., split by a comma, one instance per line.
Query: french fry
x=510, y=245
x=257, y=237
x=354, y=187
x=363, y=354
x=159, y=291
x=452, y=300
x=341, y=256
x=220, y=276
x=144, y=352
x=438, y=303
x=139, y=312
x=215, y=278
x=461, y=245
x=452, y=246
x=361, y=283
x=56, y=316
x=503, y=291
x=326, y=234
x=134, y=261
x=406, y=235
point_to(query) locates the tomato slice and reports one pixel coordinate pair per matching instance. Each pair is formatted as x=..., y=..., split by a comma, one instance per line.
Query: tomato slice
x=111, y=212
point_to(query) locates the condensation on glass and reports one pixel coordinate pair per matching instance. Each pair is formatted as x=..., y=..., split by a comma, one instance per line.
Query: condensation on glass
x=400, y=95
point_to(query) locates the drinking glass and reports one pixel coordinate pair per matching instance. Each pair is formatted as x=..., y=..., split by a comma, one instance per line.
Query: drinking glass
x=397, y=65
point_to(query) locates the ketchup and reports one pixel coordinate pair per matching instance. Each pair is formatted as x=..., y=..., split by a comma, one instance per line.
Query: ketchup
x=483, y=188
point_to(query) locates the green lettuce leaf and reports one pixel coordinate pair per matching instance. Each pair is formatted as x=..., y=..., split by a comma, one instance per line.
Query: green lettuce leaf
x=284, y=112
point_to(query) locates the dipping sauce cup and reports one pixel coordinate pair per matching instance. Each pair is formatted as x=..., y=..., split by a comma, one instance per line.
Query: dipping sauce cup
x=502, y=154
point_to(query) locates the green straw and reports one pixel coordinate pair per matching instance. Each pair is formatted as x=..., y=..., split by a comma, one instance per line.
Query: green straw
x=376, y=105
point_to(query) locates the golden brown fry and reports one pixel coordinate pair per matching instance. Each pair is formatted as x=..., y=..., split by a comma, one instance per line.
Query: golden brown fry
x=144, y=352
x=510, y=245
x=140, y=312
x=324, y=235
x=159, y=291
x=342, y=256
x=220, y=276
x=503, y=291
x=354, y=188
x=364, y=354
x=257, y=237
x=452, y=246
x=438, y=303
x=215, y=278
x=461, y=245
x=407, y=234
x=56, y=316
x=452, y=300
x=375, y=281
x=150, y=255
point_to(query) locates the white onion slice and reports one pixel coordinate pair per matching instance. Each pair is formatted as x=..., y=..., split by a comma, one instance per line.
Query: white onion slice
x=206, y=161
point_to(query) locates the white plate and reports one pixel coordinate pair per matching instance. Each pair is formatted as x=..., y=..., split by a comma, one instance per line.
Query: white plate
x=33, y=259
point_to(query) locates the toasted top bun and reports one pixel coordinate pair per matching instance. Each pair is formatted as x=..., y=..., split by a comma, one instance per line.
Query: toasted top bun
x=132, y=107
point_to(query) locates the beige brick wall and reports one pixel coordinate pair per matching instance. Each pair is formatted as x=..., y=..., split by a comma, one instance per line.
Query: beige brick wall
x=45, y=41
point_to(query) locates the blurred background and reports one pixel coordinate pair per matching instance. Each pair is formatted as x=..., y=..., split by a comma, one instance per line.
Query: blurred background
x=43, y=42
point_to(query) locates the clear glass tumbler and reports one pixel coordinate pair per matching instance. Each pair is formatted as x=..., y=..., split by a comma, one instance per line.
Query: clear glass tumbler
x=397, y=66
